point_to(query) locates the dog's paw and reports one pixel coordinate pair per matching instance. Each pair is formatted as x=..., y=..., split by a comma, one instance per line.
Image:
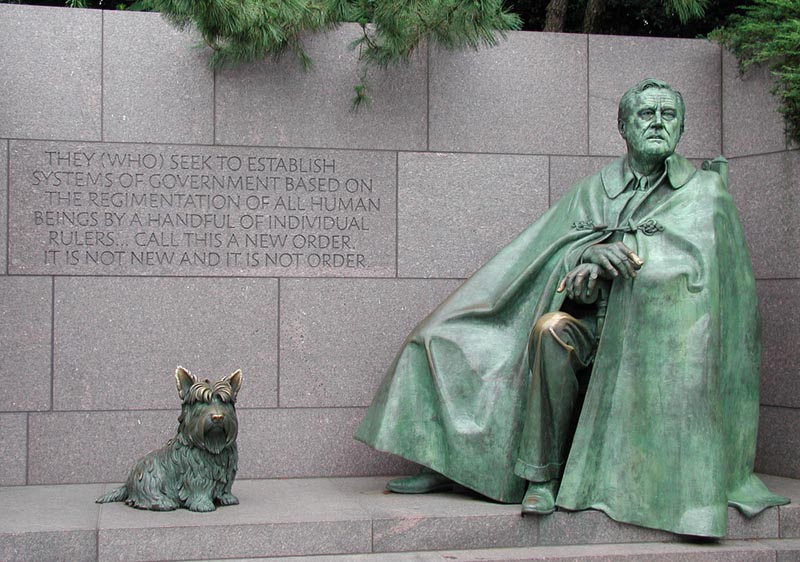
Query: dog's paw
x=152, y=505
x=228, y=499
x=164, y=506
x=200, y=504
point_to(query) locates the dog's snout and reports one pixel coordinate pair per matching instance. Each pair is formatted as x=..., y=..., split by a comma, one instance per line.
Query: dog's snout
x=217, y=417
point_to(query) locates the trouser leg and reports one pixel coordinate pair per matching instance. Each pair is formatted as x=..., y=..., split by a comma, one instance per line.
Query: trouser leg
x=559, y=347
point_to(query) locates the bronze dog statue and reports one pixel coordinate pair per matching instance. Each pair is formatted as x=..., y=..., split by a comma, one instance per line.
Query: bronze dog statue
x=196, y=468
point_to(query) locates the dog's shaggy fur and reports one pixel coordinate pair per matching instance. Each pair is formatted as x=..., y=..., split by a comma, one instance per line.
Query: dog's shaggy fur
x=196, y=468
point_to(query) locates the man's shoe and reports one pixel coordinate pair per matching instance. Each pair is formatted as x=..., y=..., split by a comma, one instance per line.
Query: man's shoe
x=422, y=483
x=540, y=498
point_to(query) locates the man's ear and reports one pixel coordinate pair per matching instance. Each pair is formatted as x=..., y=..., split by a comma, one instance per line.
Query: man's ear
x=184, y=379
x=621, y=127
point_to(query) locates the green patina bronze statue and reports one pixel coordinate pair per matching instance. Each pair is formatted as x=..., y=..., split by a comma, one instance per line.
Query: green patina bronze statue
x=196, y=468
x=607, y=358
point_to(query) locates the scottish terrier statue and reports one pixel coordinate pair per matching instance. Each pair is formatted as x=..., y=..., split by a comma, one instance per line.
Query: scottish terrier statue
x=196, y=468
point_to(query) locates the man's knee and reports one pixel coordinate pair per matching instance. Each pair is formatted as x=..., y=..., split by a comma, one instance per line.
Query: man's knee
x=550, y=323
x=567, y=332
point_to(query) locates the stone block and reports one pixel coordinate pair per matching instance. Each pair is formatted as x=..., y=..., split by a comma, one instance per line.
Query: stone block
x=789, y=516
x=778, y=449
x=458, y=210
x=297, y=519
x=14, y=444
x=726, y=551
x=764, y=189
x=65, y=546
x=120, y=209
x=277, y=103
x=118, y=340
x=527, y=95
x=309, y=442
x=787, y=487
x=780, y=334
x=790, y=521
x=413, y=533
x=786, y=550
x=764, y=525
x=157, y=86
x=25, y=343
x=691, y=66
x=441, y=521
x=3, y=206
x=274, y=518
x=591, y=527
x=74, y=447
x=77, y=447
x=51, y=87
x=566, y=171
x=339, y=336
x=49, y=523
x=751, y=123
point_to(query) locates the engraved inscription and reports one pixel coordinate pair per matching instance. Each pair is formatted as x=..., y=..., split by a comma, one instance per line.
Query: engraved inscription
x=144, y=209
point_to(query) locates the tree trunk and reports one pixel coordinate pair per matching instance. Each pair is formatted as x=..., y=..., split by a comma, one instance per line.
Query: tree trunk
x=556, y=14
x=591, y=18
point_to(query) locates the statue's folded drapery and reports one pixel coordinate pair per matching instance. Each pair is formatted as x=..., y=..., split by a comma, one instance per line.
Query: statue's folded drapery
x=667, y=432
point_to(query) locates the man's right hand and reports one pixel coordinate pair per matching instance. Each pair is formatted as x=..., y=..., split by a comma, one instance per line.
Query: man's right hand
x=615, y=259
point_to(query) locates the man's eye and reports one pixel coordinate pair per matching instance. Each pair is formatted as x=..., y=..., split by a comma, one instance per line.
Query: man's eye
x=646, y=113
x=668, y=115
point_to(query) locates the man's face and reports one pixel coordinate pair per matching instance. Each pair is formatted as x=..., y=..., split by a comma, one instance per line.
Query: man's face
x=652, y=126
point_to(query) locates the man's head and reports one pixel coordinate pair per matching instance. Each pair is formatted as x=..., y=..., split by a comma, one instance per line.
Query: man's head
x=650, y=120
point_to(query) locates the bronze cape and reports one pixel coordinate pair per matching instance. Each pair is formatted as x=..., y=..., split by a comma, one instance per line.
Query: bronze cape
x=667, y=433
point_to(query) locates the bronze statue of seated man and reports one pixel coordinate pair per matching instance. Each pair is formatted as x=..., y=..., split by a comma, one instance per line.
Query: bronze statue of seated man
x=607, y=358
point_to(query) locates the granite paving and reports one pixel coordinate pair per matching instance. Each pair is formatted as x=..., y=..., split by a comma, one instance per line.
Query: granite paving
x=353, y=519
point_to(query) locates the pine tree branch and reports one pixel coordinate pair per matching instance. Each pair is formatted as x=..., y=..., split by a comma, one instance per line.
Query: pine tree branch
x=768, y=32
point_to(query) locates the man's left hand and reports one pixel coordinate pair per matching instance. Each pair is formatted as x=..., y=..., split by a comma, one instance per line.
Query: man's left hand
x=581, y=283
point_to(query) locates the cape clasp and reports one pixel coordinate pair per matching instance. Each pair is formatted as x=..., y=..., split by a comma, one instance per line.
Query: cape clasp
x=648, y=227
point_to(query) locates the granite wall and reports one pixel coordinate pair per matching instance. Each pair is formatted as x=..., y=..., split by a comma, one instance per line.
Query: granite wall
x=156, y=213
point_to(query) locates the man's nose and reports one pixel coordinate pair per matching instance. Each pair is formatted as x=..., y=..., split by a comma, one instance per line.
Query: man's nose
x=657, y=119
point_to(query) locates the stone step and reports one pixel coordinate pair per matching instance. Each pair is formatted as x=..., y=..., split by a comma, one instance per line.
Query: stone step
x=353, y=519
x=774, y=550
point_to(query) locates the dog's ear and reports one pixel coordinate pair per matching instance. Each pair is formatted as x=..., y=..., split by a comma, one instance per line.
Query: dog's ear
x=235, y=380
x=184, y=380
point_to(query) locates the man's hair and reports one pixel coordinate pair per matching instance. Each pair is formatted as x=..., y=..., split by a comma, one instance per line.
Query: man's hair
x=630, y=96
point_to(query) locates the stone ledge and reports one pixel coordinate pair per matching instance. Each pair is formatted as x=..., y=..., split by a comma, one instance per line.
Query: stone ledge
x=725, y=551
x=337, y=519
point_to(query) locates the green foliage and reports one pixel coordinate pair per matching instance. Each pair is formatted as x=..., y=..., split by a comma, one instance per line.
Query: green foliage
x=249, y=30
x=686, y=9
x=662, y=18
x=393, y=29
x=398, y=27
x=131, y=5
x=768, y=31
x=137, y=6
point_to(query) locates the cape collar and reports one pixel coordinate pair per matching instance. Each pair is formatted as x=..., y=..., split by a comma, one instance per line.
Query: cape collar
x=618, y=174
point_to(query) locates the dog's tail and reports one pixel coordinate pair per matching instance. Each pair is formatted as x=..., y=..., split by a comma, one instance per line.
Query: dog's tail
x=117, y=495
